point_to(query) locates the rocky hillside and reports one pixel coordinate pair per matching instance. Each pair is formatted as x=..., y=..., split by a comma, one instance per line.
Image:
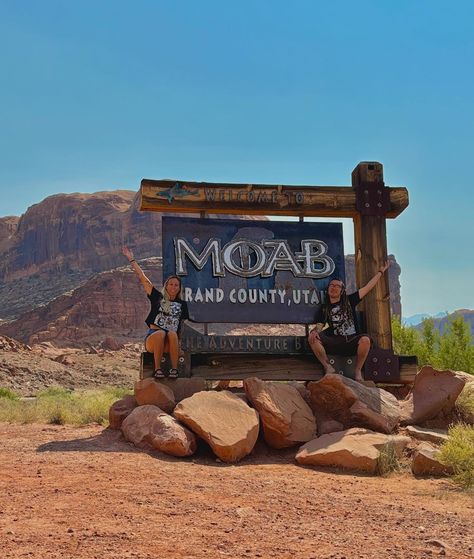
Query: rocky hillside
x=65, y=240
x=110, y=303
x=441, y=323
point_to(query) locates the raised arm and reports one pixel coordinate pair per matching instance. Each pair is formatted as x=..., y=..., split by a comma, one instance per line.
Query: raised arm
x=136, y=268
x=373, y=282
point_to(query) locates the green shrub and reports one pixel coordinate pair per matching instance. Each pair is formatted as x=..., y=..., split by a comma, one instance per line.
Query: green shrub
x=8, y=394
x=465, y=404
x=453, y=349
x=54, y=392
x=458, y=453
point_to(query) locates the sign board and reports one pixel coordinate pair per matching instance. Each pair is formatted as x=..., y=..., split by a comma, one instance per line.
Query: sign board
x=252, y=271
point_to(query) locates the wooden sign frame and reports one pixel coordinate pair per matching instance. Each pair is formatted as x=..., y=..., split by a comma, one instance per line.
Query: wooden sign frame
x=368, y=201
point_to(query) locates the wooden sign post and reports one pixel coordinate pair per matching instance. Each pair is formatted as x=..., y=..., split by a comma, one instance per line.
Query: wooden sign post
x=368, y=201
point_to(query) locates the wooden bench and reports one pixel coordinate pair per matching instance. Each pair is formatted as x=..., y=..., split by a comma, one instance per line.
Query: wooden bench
x=217, y=357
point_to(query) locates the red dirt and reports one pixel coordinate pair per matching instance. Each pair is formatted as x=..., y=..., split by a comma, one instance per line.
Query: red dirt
x=86, y=493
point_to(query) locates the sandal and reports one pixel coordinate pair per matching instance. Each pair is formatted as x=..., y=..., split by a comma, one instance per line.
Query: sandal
x=173, y=373
x=158, y=374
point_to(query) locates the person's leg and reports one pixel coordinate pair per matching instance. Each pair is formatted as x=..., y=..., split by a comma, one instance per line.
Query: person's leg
x=173, y=349
x=363, y=349
x=155, y=344
x=318, y=350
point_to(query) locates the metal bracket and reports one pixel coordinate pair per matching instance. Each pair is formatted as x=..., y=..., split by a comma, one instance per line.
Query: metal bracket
x=372, y=199
x=382, y=365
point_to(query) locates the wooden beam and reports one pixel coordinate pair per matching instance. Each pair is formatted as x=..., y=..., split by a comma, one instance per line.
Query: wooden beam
x=258, y=199
x=370, y=239
x=284, y=367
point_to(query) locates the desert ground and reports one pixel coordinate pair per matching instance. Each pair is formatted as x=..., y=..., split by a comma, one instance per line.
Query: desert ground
x=87, y=493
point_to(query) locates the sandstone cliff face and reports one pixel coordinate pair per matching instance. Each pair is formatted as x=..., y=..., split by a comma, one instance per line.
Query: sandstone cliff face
x=8, y=227
x=77, y=232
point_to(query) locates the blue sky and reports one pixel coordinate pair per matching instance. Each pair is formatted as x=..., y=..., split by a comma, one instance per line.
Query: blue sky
x=97, y=95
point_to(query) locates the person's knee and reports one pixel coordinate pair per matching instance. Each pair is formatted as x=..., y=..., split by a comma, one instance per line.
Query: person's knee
x=364, y=342
x=155, y=339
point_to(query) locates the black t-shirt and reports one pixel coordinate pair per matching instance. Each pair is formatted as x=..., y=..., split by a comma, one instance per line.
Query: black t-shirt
x=171, y=322
x=340, y=323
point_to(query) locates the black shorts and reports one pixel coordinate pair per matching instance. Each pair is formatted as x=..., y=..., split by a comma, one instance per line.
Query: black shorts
x=341, y=345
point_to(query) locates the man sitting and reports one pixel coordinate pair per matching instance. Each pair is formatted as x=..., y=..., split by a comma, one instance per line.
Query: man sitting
x=342, y=337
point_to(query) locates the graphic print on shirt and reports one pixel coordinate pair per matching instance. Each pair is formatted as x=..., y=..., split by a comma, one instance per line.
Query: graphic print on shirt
x=169, y=322
x=343, y=323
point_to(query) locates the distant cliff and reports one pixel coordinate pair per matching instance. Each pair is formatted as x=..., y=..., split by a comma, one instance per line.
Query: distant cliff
x=65, y=240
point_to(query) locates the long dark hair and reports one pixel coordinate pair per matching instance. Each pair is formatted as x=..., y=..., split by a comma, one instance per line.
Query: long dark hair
x=343, y=302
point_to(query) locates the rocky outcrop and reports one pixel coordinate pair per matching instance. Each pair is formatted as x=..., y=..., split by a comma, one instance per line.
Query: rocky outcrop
x=112, y=304
x=148, y=391
x=426, y=462
x=353, y=449
x=222, y=419
x=150, y=427
x=437, y=436
x=121, y=409
x=9, y=344
x=8, y=227
x=434, y=392
x=184, y=387
x=286, y=418
x=353, y=404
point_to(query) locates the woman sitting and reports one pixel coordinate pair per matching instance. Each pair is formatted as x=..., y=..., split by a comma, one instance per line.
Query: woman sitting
x=164, y=320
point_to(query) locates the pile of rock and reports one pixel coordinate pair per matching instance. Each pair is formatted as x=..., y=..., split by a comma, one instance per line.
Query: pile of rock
x=9, y=344
x=338, y=422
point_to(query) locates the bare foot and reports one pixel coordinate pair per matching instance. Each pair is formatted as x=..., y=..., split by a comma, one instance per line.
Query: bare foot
x=358, y=376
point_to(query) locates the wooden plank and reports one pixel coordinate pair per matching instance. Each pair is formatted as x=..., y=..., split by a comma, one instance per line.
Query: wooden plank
x=239, y=367
x=227, y=367
x=179, y=196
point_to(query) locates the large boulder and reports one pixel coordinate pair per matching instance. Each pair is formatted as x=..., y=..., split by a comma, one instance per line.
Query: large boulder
x=437, y=436
x=120, y=409
x=149, y=427
x=353, y=449
x=184, y=387
x=354, y=405
x=150, y=392
x=327, y=425
x=286, y=418
x=426, y=462
x=434, y=392
x=223, y=420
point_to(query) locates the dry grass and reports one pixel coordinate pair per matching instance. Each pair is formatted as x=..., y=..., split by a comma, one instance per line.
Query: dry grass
x=60, y=407
x=388, y=461
x=465, y=404
x=458, y=452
